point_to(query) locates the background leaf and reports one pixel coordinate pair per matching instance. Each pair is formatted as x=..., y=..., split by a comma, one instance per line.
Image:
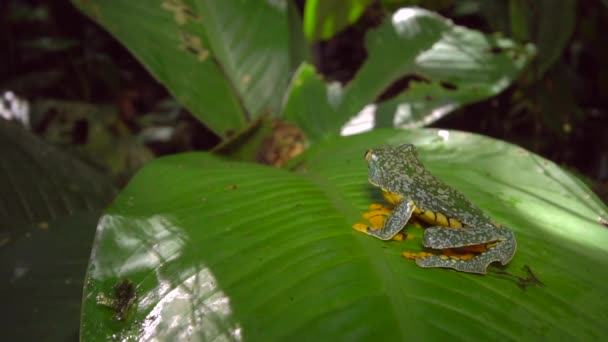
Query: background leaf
x=323, y=19
x=225, y=61
x=313, y=104
x=447, y=66
x=49, y=208
x=250, y=41
x=548, y=26
x=299, y=50
x=233, y=250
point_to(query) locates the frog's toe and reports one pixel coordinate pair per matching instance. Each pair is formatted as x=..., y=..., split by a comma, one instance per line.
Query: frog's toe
x=377, y=222
x=399, y=237
x=415, y=255
x=505, y=249
x=360, y=227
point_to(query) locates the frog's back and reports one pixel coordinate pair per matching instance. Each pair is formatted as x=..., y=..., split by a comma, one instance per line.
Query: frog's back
x=430, y=193
x=412, y=180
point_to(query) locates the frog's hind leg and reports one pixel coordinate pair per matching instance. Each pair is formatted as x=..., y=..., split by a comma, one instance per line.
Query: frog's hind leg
x=439, y=237
x=395, y=222
x=503, y=251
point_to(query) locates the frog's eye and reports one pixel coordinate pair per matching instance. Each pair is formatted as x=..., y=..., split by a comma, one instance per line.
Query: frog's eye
x=368, y=155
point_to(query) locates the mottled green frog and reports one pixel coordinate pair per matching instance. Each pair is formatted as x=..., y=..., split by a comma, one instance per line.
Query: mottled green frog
x=468, y=239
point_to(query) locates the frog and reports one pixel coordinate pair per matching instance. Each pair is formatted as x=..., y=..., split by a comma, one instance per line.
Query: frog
x=455, y=223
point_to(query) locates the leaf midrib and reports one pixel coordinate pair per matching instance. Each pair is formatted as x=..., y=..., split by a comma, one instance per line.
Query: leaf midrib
x=378, y=265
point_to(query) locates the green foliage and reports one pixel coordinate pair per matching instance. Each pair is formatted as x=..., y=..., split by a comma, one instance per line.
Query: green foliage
x=229, y=62
x=324, y=18
x=546, y=97
x=548, y=26
x=217, y=248
x=228, y=250
x=450, y=66
x=224, y=60
x=49, y=209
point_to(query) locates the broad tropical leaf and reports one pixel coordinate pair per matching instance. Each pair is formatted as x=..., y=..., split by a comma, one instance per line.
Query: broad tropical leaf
x=226, y=61
x=217, y=249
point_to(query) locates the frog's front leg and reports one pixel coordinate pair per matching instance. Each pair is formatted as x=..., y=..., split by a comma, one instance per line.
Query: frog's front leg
x=395, y=222
x=441, y=238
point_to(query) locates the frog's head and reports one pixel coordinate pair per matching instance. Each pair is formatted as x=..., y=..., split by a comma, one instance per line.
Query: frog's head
x=391, y=168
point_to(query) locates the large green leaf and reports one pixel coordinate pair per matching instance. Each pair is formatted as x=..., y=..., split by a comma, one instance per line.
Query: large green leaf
x=448, y=66
x=226, y=61
x=217, y=249
x=49, y=206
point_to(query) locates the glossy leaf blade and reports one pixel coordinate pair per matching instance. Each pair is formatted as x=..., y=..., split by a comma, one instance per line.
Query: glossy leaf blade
x=220, y=249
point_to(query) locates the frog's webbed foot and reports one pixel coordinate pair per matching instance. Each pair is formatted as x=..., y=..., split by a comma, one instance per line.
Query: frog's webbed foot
x=393, y=224
x=502, y=251
x=376, y=217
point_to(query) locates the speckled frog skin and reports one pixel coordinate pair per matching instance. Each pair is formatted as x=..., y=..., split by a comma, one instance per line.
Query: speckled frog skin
x=455, y=221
